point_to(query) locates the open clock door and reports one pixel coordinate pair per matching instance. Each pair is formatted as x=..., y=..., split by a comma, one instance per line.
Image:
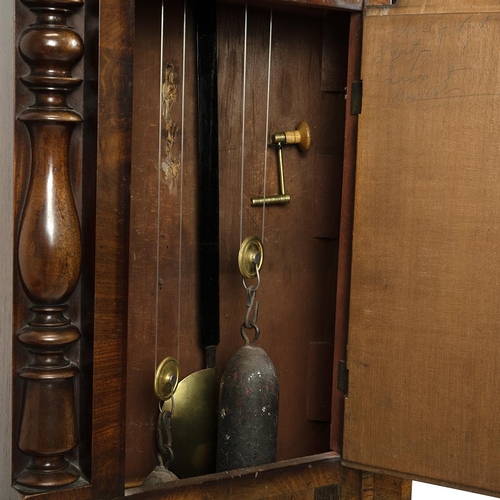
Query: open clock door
x=424, y=334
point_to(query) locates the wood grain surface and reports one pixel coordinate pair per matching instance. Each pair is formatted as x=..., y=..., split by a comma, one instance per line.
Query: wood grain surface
x=7, y=240
x=423, y=333
x=345, y=235
x=111, y=259
x=404, y=7
x=296, y=304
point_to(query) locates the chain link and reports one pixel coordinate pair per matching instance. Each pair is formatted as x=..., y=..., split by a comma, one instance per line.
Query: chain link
x=165, y=451
x=252, y=311
x=251, y=292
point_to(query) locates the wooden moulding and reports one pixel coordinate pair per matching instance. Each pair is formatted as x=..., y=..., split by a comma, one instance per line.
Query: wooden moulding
x=347, y=5
x=49, y=248
x=6, y=242
x=300, y=477
x=345, y=242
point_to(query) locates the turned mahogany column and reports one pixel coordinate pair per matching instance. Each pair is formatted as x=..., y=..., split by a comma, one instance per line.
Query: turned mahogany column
x=49, y=247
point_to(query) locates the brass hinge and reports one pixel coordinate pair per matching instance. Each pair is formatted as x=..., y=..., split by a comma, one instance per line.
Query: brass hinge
x=343, y=377
x=356, y=97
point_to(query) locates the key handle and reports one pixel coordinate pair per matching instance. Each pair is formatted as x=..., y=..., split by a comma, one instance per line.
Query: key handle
x=300, y=136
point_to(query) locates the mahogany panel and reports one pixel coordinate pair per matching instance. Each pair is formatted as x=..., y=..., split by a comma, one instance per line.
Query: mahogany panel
x=178, y=313
x=345, y=238
x=7, y=241
x=163, y=317
x=143, y=300
x=111, y=259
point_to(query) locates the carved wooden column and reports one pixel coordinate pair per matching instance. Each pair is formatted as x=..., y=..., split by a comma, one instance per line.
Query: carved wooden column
x=49, y=249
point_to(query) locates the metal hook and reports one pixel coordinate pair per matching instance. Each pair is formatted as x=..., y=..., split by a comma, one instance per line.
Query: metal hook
x=254, y=327
x=250, y=305
x=254, y=288
x=161, y=404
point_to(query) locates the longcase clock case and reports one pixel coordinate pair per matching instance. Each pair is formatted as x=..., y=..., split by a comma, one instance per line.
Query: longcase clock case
x=378, y=288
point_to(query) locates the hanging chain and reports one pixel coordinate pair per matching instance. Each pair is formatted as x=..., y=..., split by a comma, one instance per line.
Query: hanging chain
x=165, y=453
x=252, y=306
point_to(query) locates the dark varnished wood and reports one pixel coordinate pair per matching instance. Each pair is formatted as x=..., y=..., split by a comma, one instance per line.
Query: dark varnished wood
x=142, y=410
x=49, y=248
x=295, y=478
x=380, y=487
x=7, y=41
x=116, y=18
x=345, y=241
x=319, y=477
x=347, y=5
x=296, y=291
x=103, y=308
x=163, y=313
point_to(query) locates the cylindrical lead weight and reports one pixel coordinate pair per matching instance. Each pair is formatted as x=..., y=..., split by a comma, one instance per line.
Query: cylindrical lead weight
x=248, y=411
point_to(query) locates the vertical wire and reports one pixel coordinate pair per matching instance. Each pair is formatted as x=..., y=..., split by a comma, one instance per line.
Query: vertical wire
x=267, y=121
x=243, y=120
x=159, y=188
x=181, y=185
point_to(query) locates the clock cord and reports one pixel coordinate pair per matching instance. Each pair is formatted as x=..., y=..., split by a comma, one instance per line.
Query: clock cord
x=158, y=188
x=243, y=129
x=181, y=192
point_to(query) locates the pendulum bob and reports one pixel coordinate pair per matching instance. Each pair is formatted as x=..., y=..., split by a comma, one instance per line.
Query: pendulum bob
x=248, y=410
x=194, y=424
x=192, y=427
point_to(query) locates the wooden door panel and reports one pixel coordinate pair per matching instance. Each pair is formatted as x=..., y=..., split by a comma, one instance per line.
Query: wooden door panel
x=424, y=316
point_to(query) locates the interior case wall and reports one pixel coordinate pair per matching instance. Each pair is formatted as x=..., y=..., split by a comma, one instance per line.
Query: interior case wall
x=297, y=292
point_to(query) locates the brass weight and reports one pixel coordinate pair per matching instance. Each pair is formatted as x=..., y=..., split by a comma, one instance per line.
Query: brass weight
x=249, y=390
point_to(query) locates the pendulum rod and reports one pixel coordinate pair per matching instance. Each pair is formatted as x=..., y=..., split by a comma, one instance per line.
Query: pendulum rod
x=158, y=186
x=181, y=184
x=245, y=43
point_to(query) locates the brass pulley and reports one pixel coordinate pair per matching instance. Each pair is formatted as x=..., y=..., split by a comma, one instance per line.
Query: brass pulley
x=250, y=257
x=166, y=379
